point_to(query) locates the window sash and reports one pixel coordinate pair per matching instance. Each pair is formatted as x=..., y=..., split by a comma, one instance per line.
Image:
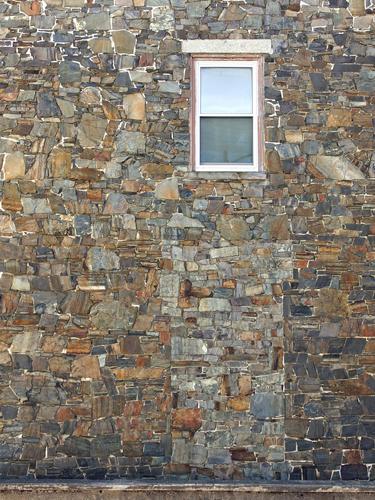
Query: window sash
x=197, y=115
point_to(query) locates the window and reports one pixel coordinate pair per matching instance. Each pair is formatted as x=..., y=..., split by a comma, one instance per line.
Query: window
x=227, y=109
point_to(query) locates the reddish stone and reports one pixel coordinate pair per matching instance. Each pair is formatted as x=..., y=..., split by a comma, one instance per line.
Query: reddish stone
x=64, y=413
x=133, y=409
x=186, y=419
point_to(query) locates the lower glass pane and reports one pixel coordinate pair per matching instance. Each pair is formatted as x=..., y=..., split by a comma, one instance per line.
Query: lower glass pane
x=226, y=140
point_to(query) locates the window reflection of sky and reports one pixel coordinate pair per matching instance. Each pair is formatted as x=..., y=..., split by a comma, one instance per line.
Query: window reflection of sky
x=226, y=90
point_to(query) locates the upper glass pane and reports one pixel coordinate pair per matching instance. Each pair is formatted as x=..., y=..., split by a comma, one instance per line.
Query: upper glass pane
x=226, y=90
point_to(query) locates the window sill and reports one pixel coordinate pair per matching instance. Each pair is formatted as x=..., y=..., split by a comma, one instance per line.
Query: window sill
x=222, y=175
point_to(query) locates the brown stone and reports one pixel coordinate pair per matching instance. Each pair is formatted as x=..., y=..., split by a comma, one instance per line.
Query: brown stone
x=242, y=455
x=86, y=367
x=61, y=162
x=138, y=373
x=79, y=346
x=32, y=8
x=244, y=385
x=6, y=225
x=332, y=303
x=13, y=166
x=239, y=403
x=273, y=162
x=156, y=170
x=357, y=7
x=233, y=228
x=279, y=227
x=339, y=118
x=187, y=419
x=134, y=106
x=11, y=198
x=130, y=345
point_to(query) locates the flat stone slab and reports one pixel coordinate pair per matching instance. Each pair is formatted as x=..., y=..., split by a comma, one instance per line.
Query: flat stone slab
x=151, y=490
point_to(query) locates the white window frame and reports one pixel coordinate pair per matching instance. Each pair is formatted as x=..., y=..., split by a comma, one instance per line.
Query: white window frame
x=254, y=64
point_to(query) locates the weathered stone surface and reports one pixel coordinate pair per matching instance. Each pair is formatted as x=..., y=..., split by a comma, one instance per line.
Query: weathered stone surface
x=336, y=167
x=46, y=105
x=134, y=106
x=36, y=206
x=26, y=342
x=70, y=72
x=276, y=227
x=207, y=304
x=167, y=189
x=101, y=45
x=91, y=130
x=160, y=321
x=116, y=203
x=99, y=258
x=86, y=367
x=233, y=228
x=112, y=315
x=13, y=166
x=187, y=419
x=130, y=142
x=124, y=41
x=61, y=162
x=182, y=221
x=332, y=303
x=267, y=405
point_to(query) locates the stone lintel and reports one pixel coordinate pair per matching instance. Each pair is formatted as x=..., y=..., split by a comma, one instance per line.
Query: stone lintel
x=256, y=46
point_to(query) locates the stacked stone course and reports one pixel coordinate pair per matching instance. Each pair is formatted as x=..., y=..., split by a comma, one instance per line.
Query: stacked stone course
x=160, y=322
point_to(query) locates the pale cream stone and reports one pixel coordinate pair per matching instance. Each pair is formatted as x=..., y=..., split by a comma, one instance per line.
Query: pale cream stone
x=13, y=166
x=21, y=283
x=167, y=189
x=258, y=46
x=134, y=106
x=6, y=225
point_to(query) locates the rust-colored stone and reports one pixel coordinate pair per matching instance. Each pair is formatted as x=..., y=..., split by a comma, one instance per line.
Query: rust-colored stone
x=187, y=419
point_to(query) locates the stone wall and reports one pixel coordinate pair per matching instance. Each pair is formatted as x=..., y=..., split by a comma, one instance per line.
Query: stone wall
x=159, y=322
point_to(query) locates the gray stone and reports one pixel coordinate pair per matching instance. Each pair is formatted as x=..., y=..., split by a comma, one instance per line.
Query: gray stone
x=197, y=9
x=188, y=347
x=112, y=315
x=97, y=22
x=182, y=221
x=70, y=72
x=82, y=225
x=26, y=342
x=366, y=82
x=169, y=87
x=99, y=258
x=116, y=203
x=130, y=142
x=46, y=105
x=36, y=206
x=267, y=405
x=211, y=304
x=169, y=285
x=91, y=130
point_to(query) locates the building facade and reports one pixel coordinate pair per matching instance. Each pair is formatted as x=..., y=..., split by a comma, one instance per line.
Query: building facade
x=158, y=320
